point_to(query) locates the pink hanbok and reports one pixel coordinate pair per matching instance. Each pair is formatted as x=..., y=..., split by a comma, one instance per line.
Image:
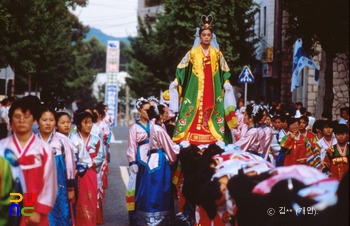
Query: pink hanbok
x=39, y=169
x=250, y=141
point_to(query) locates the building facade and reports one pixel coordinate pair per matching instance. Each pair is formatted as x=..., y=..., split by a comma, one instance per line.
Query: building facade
x=276, y=58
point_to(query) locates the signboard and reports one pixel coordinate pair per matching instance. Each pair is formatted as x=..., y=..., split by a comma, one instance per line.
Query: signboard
x=111, y=101
x=246, y=76
x=266, y=70
x=112, y=69
x=267, y=55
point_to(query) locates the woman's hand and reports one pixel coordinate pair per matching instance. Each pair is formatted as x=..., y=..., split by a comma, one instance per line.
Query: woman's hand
x=33, y=220
x=71, y=194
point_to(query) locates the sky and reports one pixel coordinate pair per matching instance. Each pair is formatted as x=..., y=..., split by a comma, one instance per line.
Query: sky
x=117, y=18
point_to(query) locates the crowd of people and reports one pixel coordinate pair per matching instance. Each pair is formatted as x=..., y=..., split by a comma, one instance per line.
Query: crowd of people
x=271, y=157
x=230, y=164
x=58, y=167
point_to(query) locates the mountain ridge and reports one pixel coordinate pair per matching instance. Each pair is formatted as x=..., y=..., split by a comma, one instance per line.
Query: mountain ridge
x=104, y=38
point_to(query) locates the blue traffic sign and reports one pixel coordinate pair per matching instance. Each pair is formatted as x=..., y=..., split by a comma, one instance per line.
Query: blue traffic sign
x=246, y=76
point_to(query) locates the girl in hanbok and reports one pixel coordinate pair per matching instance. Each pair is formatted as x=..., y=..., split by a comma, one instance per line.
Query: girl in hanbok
x=138, y=147
x=250, y=140
x=65, y=166
x=154, y=197
x=81, y=156
x=296, y=148
x=86, y=210
x=328, y=139
x=337, y=156
x=36, y=160
x=104, y=134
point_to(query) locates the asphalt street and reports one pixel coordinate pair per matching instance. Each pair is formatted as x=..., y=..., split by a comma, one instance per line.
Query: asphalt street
x=114, y=207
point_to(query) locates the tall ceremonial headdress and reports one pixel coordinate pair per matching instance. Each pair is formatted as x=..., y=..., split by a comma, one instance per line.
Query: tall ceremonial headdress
x=207, y=24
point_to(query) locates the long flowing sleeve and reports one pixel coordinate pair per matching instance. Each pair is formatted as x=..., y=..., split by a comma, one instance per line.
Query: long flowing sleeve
x=169, y=147
x=83, y=160
x=268, y=139
x=47, y=196
x=132, y=144
x=69, y=160
x=100, y=154
x=250, y=141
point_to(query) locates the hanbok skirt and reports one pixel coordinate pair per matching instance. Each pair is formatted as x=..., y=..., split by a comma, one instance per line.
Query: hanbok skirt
x=59, y=214
x=154, y=200
x=87, y=199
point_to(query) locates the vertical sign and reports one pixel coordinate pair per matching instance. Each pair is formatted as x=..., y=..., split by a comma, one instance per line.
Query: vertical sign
x=112, y=69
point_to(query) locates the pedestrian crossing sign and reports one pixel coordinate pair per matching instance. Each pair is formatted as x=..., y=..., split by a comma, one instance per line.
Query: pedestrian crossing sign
x=246, y=76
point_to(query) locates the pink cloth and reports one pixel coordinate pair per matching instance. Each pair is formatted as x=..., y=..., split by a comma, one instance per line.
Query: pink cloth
x=159, y=138
x=136, y=134
x=39, y=169
x=60, y=145
x=250, y=141
x=268, y=139
x=304, y=174
x=262, y=138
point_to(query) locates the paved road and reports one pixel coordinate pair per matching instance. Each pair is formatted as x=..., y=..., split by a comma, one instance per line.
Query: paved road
x=114, y=207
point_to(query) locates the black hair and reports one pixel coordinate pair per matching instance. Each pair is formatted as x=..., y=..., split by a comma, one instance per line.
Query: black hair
x=340, y=129
x=24, y=105
x=59, y=114
x=302, y=110
x=4, y=101
x=100, y=109
x=78, y=119
x=44, y=108
x=155, y=111
x=258, y=115
x=305, y=118
x=328, y=123
x=292, y=120
x=318, y=124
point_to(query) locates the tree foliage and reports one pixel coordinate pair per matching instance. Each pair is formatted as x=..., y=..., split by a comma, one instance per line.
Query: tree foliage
x=43, y=41
x=326, y=23
x=158, y=50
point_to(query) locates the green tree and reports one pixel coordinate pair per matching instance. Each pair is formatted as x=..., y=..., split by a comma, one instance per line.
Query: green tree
x=326, y=23
x=37, y=40
x=158, y=50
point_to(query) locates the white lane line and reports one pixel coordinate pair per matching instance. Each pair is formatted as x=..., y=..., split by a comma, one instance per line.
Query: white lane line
x=125, y=174
x=116, y=141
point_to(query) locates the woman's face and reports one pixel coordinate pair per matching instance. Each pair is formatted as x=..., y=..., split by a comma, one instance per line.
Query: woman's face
x=268, y=121
x=47, y=122
x=246, y=118
x=64, y=124
x=143, y=112
x=294, y=128
x=86, y=125
x=303, y=124
x=327, y=131
x=205, y=37
x=22, y=123
x=262, y=121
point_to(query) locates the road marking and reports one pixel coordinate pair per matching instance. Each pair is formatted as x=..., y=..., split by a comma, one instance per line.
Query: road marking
x=125, y=174
x=116, y=141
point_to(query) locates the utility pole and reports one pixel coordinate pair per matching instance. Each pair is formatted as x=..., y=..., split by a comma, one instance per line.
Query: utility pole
x=127, y=104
